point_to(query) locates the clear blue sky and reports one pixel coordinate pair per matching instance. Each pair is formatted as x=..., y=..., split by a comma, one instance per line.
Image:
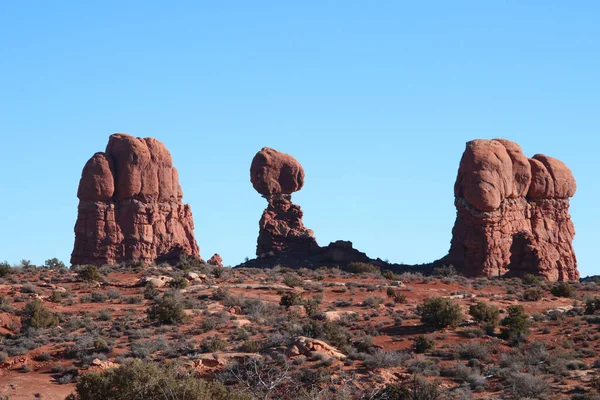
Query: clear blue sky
x=375, y=99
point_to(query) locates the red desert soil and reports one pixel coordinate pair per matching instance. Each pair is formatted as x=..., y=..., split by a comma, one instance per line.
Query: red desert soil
x=104, y=324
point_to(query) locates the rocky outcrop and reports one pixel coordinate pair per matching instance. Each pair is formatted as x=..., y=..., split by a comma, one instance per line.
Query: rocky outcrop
x=130, y=206
x=276, y=176
x=512, y=213
x=216, y=260
x=281, y=228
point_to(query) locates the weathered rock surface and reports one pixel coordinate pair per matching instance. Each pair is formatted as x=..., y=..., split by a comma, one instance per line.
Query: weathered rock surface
x=282, y=230
x=276, y=175
x=130, y=206
x=512, y=213
x=310, y=347
x=216, y=260
x=273, y=172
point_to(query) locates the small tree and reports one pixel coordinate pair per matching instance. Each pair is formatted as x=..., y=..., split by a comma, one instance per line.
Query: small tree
x=36, y=315
x=54, y=263
x=516, y=322
x=439, y=312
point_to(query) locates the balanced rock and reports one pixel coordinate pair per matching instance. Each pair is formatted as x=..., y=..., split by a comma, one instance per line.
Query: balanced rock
x=276, y=176
x=512, y=213
x=130, y=206
x=273, y=172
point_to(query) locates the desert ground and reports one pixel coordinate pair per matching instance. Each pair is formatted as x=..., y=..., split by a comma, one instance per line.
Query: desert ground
x=358, y=333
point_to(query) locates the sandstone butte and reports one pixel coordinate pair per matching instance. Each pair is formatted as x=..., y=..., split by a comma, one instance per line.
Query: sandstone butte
x=130, y=206
x=512, y=214
x=276, y=176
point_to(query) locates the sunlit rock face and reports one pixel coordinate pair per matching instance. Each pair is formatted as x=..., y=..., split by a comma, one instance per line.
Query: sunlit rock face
x=512, y=213
x=130, y=206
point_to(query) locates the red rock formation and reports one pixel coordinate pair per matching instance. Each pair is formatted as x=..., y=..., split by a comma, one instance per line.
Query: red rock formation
x=276, y=175
x=216, y=260
x=282, y=230
x=273, y=172
x=130, y=205
x=512, y=213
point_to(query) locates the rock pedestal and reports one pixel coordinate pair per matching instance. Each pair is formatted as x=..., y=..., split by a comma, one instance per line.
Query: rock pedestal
x=281, y=228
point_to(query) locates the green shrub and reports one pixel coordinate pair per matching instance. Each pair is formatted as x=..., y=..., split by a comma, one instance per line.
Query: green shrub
x=178, y=282
x=250, y=346
x=98, y=297
x=516, y=322
x=530, y=279
x=56, y=296
x=291, y=299
x=387, y=274
x=169, y=309
x=361, y=268
x=150, y=293
x=372, y=302
x=292, y=280
x=486, y=314
x=444, y=271
x=36, y=315
x=563, y=289
x=592, y=305
x=213, y=344
x=396, y=295
x=5, y=269
x=89, y=273
x=422, y=344
x=439, y=312
x=149, y=381
x=533, y=294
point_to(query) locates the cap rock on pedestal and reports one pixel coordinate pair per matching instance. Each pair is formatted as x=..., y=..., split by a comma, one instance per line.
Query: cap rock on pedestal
x=276, y=176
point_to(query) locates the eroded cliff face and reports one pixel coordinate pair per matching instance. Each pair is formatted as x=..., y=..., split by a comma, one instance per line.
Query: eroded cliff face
x=512, y=213
x=130, y=206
